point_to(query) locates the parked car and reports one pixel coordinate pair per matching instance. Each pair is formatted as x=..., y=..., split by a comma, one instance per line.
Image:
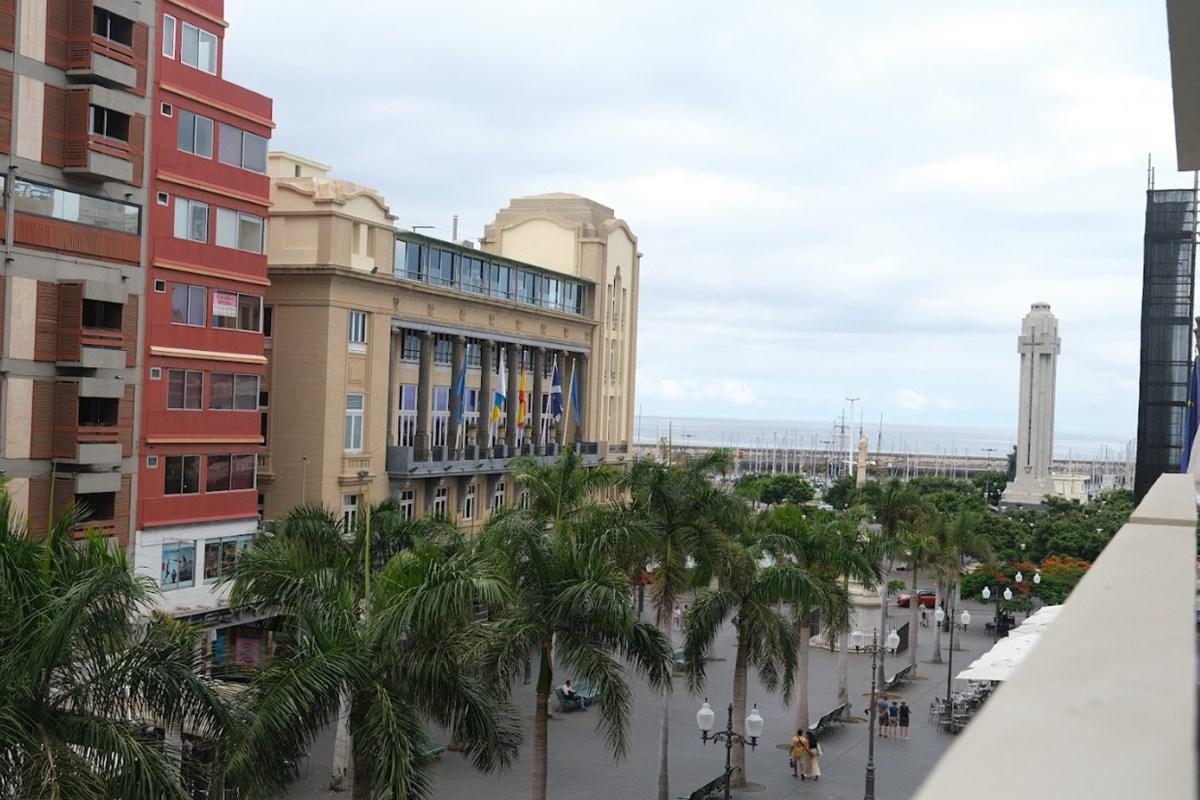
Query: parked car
x=925, y=597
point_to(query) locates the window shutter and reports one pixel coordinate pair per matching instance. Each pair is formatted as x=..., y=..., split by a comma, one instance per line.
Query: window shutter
x=54, y=125
x=8, y=24
x=39, y=497
x=66, y=419
x=129, y=326
x=137, y=147
x=41, y=420
x=70, y=320
x=45, y=331
x=6, y=92
x=125, y=422
x=79, y=34
x=58, y=23
x=141, y=51
x=121, y=511
x=75, y=129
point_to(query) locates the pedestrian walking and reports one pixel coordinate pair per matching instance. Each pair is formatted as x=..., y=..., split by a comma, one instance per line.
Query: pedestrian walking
x=812, y=765
x=893, y=720
x=796, y=753
x=905, y=716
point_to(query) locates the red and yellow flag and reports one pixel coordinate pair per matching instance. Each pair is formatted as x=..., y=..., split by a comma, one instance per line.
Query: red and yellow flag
x=522, y=399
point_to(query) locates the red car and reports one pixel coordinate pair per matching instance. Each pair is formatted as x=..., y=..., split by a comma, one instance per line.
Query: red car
x=925, y=597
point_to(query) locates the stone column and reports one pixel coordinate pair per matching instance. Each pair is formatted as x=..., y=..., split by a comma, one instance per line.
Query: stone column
x=581, y=365
x=486, y=349
x=564, y=375
x=510, y=400
x=539, y=368
x=393, y=433
x=458, y=360
x=423, y=436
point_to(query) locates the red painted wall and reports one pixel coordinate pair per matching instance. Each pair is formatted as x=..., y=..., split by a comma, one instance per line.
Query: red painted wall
x=182, y=174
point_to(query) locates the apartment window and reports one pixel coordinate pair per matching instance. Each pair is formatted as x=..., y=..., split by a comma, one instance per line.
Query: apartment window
x=181, y=475
x=230, y=392
x=163, y=198
x=235, y=311
x=240, y=230
x=178, y=565
x=349, y=511
x=353, y=439
x=441, y=267
x=414, y=261
x=443, y=350
x=112, y=27
x=230, y=473
x=199, y=49
x=441, y=502
x=412, y=346
x=98, y=412
x=195, y=134
x=188, y=304
x=473, y=275
x=268, y=318
x=472, y=401
x=168, y=36
x=47, y=201
x=185, y=389
x=110, y=124
x=221, y=554
x=243, y=149
x=551, y=293
x=498, y=497
x=527, y=287
x=474, y=354
x=358, y=331
x=102, y=315
x=191, y=220
x=406, y=504
x=523, y=500
x=468, y=512
x=501, y=283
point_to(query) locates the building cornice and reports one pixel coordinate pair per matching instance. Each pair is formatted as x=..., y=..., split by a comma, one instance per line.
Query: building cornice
x=206, y=355
x=217, y=104
x=256, y=440
x=212, y=188
x=192, y=269
x=199, y=12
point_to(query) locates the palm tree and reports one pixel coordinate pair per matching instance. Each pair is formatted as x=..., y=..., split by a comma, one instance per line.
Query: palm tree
x=823, y=552
x=85, y=676
x=403, y=654
x=851, y=546
x=919, y=548
x=570, y=599
x=755, y=577
x=955, y=540
x=676, y=501
x=897, y=506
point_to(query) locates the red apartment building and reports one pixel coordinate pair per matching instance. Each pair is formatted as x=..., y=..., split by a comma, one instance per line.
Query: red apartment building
x=197, y=503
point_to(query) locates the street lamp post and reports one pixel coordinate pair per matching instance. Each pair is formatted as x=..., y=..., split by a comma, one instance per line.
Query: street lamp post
x=705, y=718
x=965, y=619
x=892, y=642
x=1008, y=595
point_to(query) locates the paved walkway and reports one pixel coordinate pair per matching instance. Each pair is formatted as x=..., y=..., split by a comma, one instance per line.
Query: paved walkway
x=581, y=767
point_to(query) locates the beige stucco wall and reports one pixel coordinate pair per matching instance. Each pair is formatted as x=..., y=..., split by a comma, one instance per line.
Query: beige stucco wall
x=22, y=317
x=543, y=243
x=18, y=411
x=18, y=490
x=33, y=29
x=31, y=99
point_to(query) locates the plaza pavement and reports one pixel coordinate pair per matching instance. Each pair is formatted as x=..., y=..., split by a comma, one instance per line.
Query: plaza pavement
x=581, y=767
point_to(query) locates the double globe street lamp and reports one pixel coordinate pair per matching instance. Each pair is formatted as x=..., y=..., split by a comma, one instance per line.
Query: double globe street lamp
x=892, y=643
x=1008, y=595
x=705, y=718
x=965, y=618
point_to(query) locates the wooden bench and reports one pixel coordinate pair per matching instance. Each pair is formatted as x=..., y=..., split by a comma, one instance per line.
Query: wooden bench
x=897, y=679
x=567, y=704
x=826, y=720
x=713, y=788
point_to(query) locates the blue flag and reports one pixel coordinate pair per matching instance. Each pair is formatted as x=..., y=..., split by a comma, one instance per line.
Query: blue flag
x=575, y=398
x=460, y=391
x=1192, y=420
x=556, y=395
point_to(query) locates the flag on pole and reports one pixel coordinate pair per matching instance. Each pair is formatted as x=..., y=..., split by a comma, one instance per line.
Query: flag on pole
x=1190, y=462
x=522, y=400
x=460, y=392
x=498, y=401
x=575, y=398
x=556, y=394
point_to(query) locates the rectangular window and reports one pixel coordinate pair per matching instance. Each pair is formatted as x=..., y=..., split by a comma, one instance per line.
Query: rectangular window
x=110, y=124
x=234, y=311
x=406, y=504
x=443, y=350
x=473, y=275
x=349, y=511
x=178, y=565
x=195, y=134
x=353, y=439
x=221, y=554
x=168, y=36
x=199, y=49
x=243, y=149
x=181, y=475
x=414, y=265
x=474, y=354
x=191, y=220
x=230, y=392
x=441, y=267
x=498, y=497
x=468, y=512
x=188, y=304
x=399, y=255
x=527, y=287
x=230, y=473
x=98, y=412
x=47, y=201
x=267, y=320
x=185, y=389
x=108, y=25
x=441, y=502
x=239, y=230
x=412, y=346
x=500, y=285
x=358, y=331
x=102, y=315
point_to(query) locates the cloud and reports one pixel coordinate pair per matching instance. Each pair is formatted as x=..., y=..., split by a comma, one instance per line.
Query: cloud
x=912, y=401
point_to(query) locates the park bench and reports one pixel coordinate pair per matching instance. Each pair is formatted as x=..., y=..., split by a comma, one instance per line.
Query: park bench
x=897, y=679
x=826, y=720
x=711, y=789
x=567, y=704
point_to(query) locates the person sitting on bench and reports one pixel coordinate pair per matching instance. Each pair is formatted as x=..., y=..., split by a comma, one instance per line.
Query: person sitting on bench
x=569, y=692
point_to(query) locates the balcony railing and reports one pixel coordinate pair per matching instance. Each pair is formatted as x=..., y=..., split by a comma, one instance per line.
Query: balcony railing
x=1104, y=707
x=405, y=462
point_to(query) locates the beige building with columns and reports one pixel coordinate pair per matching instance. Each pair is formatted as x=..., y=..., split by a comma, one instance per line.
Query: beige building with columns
x=370, y=327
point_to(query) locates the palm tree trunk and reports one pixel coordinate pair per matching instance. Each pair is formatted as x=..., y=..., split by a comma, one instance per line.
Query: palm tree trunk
x=738, y=779
x=362, y=761
x=883, y=620
x=665, y=624
x=802, y=625
x=341, y=746
x=939, y=597
x=540, y=715
x=843, y=695
x=914, y=606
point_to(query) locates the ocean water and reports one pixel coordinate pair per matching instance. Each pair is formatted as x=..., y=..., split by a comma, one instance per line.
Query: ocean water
x=914, y=439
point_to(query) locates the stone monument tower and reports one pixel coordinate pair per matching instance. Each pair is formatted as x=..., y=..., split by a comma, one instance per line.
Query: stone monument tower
x=860, y=479
x=1039, y=346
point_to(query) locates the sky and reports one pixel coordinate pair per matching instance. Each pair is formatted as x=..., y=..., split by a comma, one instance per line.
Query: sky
x=832, y=199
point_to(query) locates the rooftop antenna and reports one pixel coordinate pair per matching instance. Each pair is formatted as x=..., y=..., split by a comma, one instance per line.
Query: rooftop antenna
x=454, y=229
x=1149, y=172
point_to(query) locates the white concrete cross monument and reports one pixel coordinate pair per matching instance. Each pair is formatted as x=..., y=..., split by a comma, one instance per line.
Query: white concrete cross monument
x=1039, y=347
